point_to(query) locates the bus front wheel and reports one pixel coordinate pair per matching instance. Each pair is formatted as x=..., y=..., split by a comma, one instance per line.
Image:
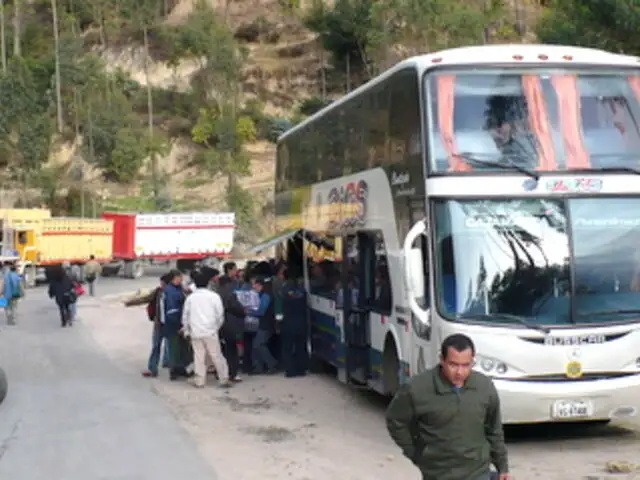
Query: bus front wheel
x=390, y=368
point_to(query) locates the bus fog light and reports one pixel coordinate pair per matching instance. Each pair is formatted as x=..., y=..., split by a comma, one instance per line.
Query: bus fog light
x=487, y=364
x=490, y=365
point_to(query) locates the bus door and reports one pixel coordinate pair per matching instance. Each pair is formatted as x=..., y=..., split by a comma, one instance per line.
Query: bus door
x=358, y=264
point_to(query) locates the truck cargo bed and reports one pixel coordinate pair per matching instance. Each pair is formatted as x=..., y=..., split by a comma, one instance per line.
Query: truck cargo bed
x=74, y=240
x=167, y=236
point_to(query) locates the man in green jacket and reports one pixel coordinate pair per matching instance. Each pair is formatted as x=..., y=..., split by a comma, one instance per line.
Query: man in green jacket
x=447, y=419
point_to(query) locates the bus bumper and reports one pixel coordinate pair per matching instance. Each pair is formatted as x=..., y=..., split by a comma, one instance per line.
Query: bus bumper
x=582, y=401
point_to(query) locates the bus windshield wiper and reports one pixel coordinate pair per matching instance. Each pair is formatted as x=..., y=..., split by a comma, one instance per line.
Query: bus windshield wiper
x=611, y=312
x=616, y=170
x=475, y=158
x=505, y=316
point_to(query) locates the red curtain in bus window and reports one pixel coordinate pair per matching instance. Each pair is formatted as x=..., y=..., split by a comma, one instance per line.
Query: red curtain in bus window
x=539, y=121
x=446, y=104
x=566, y=87
x=634, y=81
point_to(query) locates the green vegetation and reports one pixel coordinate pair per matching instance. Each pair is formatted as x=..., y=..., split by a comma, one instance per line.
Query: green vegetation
x=608, y=24
x=55, y=88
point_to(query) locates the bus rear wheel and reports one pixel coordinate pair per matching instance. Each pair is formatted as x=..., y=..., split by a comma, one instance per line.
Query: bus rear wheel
x=390, y=368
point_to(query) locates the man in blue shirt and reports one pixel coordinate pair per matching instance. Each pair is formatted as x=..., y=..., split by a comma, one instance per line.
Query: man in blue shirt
x=263, y=361
x=12, y=292
x=173, y=298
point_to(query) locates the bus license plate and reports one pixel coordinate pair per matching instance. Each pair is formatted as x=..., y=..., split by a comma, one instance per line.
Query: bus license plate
x=566, y=409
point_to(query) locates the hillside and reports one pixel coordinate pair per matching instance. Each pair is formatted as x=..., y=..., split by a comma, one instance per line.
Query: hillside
x=176, y=104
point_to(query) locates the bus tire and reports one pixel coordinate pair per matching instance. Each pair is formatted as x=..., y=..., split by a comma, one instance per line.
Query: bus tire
x=210, y=262
x=4, y=385
x=390, y=367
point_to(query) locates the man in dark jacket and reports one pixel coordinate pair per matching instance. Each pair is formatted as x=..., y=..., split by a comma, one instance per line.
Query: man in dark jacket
x=155, y=311
x=231, y=272
x=294, y=330
x=61, y=289
x=233, y=326
x=447, y=419
x=173, y=298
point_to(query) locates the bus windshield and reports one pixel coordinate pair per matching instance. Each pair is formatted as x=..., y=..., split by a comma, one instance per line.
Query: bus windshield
x=552, y=262
x=538, y=119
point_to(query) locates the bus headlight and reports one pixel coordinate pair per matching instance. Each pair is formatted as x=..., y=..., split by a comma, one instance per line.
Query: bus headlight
x=420, y=329
x=490, y=366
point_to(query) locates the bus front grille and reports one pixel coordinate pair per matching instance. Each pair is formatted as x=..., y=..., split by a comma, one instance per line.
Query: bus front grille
x=586, y=377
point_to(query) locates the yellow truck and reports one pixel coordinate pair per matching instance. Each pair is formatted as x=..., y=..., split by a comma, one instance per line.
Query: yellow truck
x=39, y=241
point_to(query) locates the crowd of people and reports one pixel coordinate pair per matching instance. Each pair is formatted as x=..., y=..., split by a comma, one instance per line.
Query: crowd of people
x=223, y=323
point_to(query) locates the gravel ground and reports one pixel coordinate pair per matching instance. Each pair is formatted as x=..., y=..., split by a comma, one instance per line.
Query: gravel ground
x=316, y=428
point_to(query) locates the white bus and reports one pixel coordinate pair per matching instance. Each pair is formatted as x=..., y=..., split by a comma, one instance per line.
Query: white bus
x=492, y=191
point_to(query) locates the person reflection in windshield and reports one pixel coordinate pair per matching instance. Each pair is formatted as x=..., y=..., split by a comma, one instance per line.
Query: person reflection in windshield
x=506, y=121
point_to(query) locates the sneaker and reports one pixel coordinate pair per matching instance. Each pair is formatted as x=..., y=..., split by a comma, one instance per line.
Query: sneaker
x=149, y=374
x=226, y=384
x=236, y=379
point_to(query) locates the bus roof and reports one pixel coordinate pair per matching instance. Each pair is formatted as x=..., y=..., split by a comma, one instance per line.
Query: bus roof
x=529, y=54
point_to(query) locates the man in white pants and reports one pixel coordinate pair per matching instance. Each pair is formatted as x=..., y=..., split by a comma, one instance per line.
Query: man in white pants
x=202, y=317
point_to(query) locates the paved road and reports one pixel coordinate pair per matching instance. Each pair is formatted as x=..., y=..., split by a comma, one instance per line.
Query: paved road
x=73, y=415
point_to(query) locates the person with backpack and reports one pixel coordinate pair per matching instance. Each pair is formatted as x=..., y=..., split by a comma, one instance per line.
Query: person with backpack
x=62, y=290
x=12, y=291
x=233, y=326
x=155, y=309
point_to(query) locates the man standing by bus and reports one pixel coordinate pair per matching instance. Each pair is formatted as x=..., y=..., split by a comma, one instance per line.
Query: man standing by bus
x=447, y=419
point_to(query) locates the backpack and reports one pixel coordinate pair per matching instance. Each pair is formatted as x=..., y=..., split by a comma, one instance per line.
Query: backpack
x=17, y=287
x=152, y=306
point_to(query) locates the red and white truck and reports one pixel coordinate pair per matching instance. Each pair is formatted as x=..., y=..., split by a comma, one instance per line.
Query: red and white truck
x=190, y=239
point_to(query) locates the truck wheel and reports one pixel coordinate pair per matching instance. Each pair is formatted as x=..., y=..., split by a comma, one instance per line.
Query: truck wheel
x=4, y=385
x=185, y=266
x=78, y=272
x=111, y=269
x=133, y=270
x=211, y=262
x=137, y=270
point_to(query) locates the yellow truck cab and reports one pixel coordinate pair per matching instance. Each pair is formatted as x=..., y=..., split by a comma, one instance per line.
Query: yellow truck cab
x=39, y=241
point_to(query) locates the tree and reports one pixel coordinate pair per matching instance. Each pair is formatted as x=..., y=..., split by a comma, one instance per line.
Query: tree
x=413, y=27
x=607, y=24
x=220, y=129
x=3, y=39
x=56, y=40
x=344, y=29
x=145, y=14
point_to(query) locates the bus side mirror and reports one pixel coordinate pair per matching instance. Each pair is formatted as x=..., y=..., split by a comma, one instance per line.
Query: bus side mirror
x=415, y=271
